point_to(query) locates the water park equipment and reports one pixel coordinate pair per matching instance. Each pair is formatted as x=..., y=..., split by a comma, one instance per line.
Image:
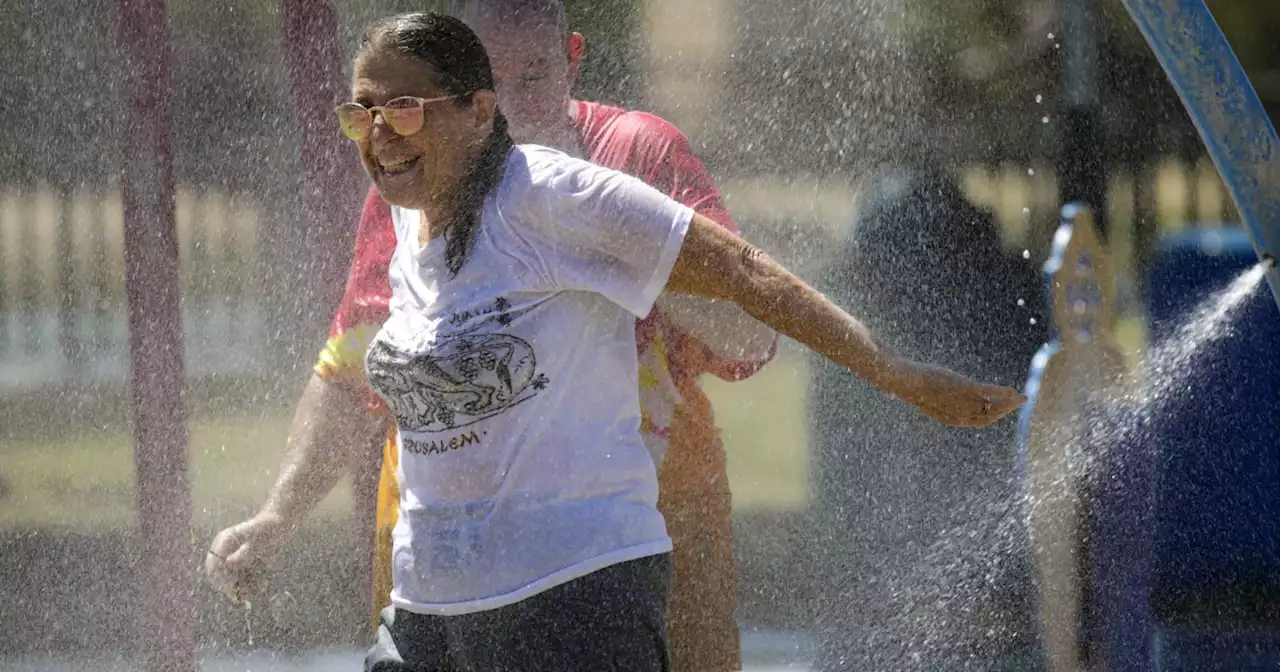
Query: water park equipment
x=1055, y=426
x=1182, y=551
x=1225, y=110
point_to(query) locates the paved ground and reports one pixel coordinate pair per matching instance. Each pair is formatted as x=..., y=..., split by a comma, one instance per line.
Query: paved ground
x=321, y=663
x=762, y=652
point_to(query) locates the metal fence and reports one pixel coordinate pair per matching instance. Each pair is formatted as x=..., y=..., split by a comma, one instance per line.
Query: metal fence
x=62, y=305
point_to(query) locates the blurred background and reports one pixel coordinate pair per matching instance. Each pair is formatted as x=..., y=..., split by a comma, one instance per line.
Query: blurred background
x=801, y=109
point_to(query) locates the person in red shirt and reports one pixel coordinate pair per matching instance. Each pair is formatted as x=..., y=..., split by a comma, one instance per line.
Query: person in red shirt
x=535, y=60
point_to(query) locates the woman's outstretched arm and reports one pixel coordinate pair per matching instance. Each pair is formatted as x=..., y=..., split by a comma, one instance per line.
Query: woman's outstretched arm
x=714, y=263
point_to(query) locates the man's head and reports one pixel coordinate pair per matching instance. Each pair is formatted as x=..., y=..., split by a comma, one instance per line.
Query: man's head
x=535, y=61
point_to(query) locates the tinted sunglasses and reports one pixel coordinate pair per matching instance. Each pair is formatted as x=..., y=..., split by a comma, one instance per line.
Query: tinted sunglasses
x=404, y=115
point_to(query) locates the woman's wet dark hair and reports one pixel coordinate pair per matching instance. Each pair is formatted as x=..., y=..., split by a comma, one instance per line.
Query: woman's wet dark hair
x=461, y=66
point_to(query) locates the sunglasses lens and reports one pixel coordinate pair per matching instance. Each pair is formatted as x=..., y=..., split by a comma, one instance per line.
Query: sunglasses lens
x=404, y=115
x=355, y=121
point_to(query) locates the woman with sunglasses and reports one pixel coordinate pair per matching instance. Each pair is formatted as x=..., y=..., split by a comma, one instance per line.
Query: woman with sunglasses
x=528, y=536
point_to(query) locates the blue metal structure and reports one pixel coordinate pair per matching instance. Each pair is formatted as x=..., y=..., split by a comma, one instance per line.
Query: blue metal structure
x=1214, y=556
x=1225, y=109
x=1082, y=161
x=1114, y=509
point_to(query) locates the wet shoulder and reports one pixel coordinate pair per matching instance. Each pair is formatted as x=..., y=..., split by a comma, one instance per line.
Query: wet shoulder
x=594, y=118
x=534, y=167
x=534, y=177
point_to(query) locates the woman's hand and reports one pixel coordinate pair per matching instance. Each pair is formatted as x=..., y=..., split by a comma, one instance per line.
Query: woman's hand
x=234, y=561
x=951, y=398
x=331, y=431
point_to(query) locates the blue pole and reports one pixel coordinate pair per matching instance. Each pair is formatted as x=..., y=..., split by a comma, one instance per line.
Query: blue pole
x=1082, y=167
x=1225, y=109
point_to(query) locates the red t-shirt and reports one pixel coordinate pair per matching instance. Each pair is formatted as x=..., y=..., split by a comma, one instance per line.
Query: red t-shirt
x=637, y=143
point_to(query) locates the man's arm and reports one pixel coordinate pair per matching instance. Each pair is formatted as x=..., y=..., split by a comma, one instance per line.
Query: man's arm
x=733, y=344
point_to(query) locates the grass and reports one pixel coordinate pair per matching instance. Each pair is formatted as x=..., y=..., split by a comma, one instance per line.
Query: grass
x=84, y=481
x=765, y=426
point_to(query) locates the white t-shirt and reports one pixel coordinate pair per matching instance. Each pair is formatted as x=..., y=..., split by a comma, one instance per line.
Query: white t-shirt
x=514, y=386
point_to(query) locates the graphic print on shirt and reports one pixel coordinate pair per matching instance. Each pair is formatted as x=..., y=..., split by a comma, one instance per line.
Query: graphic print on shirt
x=464, y=377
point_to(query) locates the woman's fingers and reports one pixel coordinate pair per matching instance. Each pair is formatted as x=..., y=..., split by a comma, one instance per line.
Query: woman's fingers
x=974, y=405
x=1004, y=400
x=224, y=579
x=225, y=562
x=1000, y=392
x=992, y=404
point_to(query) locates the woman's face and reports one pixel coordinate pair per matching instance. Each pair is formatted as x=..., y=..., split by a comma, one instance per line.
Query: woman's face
x=415, y=170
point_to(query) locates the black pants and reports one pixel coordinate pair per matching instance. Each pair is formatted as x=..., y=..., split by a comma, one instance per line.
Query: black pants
x=612, y=620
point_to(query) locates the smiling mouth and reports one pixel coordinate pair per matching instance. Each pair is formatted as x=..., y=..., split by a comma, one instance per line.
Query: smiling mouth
x=399, y=166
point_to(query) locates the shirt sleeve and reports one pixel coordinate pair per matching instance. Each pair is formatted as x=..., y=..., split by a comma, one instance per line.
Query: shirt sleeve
x=606, y=231
x=364, y=304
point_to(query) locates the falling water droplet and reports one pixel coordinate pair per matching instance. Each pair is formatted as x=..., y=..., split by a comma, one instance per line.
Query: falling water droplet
x=1031, y=171
x=1039, y=99
x=248, y=620
x=1051, y=36
x=1022, y=302
x=1033, y=320
x=1044, y=119
x=1026, y=212
x=1026, y=254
